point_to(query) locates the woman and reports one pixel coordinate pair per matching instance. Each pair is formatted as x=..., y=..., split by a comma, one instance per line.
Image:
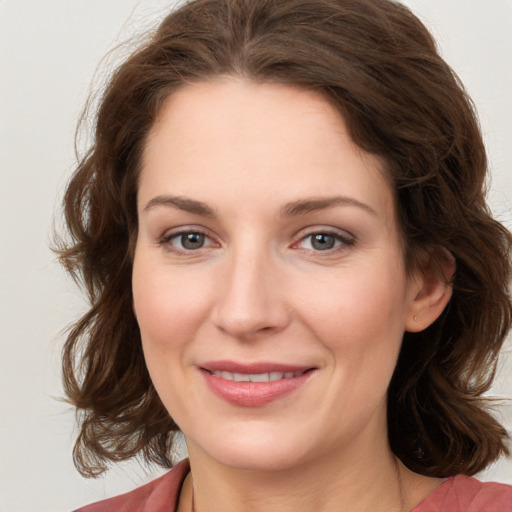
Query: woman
x=282, y=229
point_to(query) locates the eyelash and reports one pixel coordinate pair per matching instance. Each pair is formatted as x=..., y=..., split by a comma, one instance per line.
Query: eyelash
x=340, y=242
x=166, y=240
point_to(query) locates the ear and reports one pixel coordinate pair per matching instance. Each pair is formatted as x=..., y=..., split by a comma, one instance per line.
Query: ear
x=430, y=289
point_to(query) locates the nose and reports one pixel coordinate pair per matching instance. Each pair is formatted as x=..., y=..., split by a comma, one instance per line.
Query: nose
x=250, y=300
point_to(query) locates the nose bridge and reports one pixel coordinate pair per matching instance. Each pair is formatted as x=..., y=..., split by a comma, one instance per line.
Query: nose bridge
x=248, y=300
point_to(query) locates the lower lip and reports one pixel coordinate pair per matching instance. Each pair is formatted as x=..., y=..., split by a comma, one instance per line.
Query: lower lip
x=253, y=394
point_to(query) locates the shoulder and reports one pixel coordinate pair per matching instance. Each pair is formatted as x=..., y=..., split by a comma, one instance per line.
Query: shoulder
x=158, y=495
x=467, y=494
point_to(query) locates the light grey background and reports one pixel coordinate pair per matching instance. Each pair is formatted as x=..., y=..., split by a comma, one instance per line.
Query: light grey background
x=49, y=51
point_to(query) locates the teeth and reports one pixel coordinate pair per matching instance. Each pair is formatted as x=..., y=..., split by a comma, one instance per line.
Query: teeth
x=256, y=377
x=259, y=377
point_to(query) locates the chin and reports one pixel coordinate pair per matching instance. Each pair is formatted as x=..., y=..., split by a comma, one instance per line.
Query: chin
x=254, y=449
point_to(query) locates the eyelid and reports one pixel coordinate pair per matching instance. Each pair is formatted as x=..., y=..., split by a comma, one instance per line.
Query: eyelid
x=346, y=238
x=166, y=238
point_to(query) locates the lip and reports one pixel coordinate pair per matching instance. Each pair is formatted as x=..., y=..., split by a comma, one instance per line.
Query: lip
x=253, y=394
x=256, y=367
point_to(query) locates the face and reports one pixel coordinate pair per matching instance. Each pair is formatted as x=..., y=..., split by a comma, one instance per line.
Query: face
x=268, y=278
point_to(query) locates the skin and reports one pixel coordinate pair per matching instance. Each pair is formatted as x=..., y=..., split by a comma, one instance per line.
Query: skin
x=258, y=289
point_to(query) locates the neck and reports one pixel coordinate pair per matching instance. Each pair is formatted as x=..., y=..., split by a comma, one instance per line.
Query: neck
x=367, y=480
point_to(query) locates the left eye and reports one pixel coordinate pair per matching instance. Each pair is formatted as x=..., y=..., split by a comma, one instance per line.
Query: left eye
x=322, y=241
x=188, y=241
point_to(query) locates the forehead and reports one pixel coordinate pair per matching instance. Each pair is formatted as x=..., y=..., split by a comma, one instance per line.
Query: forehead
x=271, y=139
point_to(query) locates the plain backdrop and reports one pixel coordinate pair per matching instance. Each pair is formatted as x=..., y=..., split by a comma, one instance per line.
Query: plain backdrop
x=49, y=51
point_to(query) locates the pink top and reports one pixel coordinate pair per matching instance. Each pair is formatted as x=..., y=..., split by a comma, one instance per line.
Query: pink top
x=457, y=494
x=467, y=494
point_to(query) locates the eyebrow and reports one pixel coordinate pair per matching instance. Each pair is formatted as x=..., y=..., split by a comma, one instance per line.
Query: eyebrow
x=292, y=209
x=304, y=206
x=182, y=203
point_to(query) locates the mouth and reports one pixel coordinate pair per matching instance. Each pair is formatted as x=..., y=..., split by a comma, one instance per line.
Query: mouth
x=257, y=377
x=254, y=385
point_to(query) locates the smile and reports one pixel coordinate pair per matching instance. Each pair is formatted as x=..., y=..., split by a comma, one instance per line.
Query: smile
x=257, y=377
x=254, y=385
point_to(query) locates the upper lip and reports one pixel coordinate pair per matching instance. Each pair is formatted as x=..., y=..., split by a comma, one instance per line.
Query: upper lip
x=252, y=368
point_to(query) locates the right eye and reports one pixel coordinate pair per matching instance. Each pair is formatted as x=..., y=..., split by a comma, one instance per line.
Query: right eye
x=187, y=241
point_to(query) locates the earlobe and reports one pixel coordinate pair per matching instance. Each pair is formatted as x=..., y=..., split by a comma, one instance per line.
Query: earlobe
x=431, y=289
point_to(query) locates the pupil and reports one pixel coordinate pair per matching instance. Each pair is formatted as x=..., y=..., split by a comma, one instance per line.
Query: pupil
x=323, y=242
x=192, y=240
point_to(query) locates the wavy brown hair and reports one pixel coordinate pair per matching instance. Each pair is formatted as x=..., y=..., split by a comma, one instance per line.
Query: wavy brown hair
x=378, y=65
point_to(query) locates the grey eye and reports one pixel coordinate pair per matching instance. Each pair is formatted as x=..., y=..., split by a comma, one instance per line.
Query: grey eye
x=191, y=241
x=322, y=241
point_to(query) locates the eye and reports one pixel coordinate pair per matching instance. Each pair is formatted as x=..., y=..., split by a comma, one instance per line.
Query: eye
x=187, y=241
x=323, y=241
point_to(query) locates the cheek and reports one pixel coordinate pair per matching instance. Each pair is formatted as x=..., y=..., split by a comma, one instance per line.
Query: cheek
x=167, y=306
x=361, y=315
x=169, y=311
